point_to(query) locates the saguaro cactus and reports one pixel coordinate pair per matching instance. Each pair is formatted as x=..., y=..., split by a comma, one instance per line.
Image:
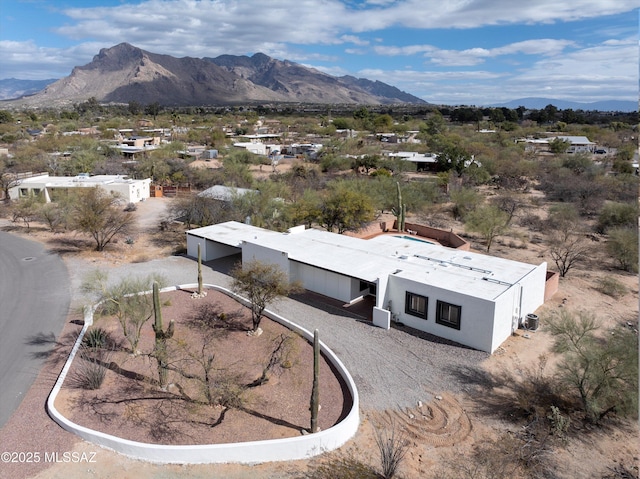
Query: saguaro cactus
x=199, y=271
x=400, y=210
x=160, y=351
x=315, y=390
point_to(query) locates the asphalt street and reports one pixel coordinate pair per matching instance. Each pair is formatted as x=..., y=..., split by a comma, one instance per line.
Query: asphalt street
x=34, y=305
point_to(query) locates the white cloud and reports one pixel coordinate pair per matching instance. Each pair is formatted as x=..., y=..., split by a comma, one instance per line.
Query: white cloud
x=354, y=39
x=42, y=62
x=286, y=30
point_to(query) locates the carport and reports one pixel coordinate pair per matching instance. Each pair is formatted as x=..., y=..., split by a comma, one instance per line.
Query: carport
x=222, y=240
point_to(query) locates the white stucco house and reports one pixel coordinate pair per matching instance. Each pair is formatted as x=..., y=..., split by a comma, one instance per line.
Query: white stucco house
x=577, y=144
x=131, y=191
x=469, y=298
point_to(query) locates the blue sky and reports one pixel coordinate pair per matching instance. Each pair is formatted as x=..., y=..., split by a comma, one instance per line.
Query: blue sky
x=473, y=52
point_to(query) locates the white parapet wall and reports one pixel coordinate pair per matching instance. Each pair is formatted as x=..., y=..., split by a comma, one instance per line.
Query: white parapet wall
x=286, y=449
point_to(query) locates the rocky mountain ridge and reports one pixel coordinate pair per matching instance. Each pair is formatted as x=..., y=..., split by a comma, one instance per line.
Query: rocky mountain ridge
x=125, y=73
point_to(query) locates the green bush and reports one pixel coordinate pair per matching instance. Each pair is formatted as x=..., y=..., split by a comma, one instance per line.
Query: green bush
x=96, y=338
x=90, y=370
x=611, y=287
x=623, y=247
x=615, y=215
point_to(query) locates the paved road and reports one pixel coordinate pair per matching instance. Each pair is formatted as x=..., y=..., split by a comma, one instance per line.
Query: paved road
x=34, y=304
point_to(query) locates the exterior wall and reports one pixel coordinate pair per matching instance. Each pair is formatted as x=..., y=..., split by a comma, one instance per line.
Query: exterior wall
x=209, y=250
x=476, y=320
x=552, y=285
x=285, y=449
x=534, y=289
x=252, y=251
x=322, y=281
x=445, y=238
x=131, y=192
x=504, y=321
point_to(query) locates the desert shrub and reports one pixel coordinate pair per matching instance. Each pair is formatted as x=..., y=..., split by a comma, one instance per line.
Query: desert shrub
x=228, y=391
x=559, y=422
x=393, y=446
x=333, y=163
x=341, y=467
x=601, y=373
x=614, y=215
x=131, y=207
x=623, y=247
x=96, y=338
x=90, y=371
x=532, y=221
x=520, y=454
x=611, y=287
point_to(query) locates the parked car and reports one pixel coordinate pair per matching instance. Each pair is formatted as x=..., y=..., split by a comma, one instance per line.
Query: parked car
x=600, y=151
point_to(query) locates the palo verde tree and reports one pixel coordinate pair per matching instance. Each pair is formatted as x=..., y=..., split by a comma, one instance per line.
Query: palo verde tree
x=602, y=367
x=124, y=300
x=260, y=283
x=100, y=215
x=488, y=221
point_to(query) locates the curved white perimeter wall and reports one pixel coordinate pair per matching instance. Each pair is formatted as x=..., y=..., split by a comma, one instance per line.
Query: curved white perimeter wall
x=286, y=449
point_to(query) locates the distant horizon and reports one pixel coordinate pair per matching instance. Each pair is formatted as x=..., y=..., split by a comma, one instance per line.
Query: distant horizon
x=454, y=53
x=629, y=106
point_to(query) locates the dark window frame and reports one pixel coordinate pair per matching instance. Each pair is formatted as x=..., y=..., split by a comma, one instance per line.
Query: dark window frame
x=446, y=321
x=408, y=299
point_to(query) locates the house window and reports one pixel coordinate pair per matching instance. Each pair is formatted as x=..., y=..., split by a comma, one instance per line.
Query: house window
x=448, y=314
x=24, y=192
x=416, y=305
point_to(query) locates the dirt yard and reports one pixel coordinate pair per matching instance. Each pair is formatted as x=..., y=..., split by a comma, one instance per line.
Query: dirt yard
x=130, y=405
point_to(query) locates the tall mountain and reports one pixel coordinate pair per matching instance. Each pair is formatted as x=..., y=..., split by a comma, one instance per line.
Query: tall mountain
x=125, y=73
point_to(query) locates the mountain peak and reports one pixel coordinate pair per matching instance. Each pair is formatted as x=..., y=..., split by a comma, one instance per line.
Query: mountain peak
x=125, y=73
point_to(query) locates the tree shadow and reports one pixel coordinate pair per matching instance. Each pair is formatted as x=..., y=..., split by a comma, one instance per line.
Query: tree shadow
x=522, y=396
x=67, y=245
x=57, y=349
x=271, y=419
x=214, y=317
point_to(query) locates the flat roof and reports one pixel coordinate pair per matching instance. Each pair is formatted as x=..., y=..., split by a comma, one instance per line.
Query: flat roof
x=405, y=256
x=72, y=181
x=231, y=233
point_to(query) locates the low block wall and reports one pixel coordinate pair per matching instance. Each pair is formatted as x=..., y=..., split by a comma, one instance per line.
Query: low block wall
x=287, y=449
x=445, y=238
x=551, y=285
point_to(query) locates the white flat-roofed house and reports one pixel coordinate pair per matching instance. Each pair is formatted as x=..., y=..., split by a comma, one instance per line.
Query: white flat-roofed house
x=131, y=191
x=469, y=298
x=577, y=144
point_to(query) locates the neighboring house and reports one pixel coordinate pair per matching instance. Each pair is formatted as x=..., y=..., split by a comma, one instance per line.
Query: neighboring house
x=469, y=298
x=51, y=187
x=132, y=145
x=225, y=193
x=423, y=161
x=577, y=144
